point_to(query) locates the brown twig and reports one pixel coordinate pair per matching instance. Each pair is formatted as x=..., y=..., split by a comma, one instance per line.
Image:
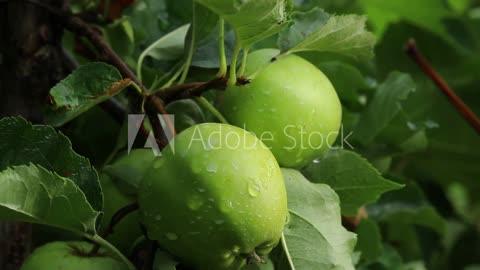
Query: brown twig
x=78, y=26
x=195, y=89
x=116, y=218
x=467, y=113
x=153, y=103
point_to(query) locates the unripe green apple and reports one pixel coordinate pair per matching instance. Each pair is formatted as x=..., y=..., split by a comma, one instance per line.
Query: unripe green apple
x=214, y=198
x=71, y=256
x=128, y=229
x=289, y=104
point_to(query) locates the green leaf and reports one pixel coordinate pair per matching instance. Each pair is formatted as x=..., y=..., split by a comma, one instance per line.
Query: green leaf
x=387, y=100
x=347, y=80
x=459, y=5
x=427, y=14
x=369, y=240
x=407, y=207
x=204, y=22
x=34, y=194
x=252, y=20
x=344, y=35
x=356, y=181
x=168, y=47
x=304, y=24
x=314, y=235
x=131, y=167
x=87, y=86
x=206, y=54
x=22, y=144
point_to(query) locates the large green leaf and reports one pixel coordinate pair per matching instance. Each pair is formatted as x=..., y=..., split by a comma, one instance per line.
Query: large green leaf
x=252, y=20
x=426, y=13
x=34, y=194
x=345, y=34
x=356, y=182
x=304, y=24
x=407, y=207
x=384, y=107
x=204, y=22
x=314, y=237
x=347, y=80
x=168, y=47
x=87, y=86
x=22, y=143
x=369, y=240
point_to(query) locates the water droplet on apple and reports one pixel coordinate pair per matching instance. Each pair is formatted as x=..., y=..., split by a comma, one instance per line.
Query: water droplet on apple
x=212, y=167
x=195, y=202
x=253, y=189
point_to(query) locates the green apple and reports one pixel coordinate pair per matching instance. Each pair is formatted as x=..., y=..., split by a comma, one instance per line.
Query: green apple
x=289, y=104
x=71, y=256
x=128, y=229
x=215, y=198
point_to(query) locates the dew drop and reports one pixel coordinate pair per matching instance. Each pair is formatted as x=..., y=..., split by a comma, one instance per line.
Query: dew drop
x=219, y=221
x=158, y=217
x=194, y=202
x=253, y=189
x=212, y=168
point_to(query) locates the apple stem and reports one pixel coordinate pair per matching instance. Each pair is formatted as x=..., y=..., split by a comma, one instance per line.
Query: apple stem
x=244, y=62
x=221, y=49
x=287, y=252
x=253, y=256
x=116, y=218
x=206, y=105
x=174, y=77
x=233, y=65
x=467, y=113
x=100, y=241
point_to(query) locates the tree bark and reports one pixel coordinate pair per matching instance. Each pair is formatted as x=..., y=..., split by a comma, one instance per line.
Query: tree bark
x=32, y=60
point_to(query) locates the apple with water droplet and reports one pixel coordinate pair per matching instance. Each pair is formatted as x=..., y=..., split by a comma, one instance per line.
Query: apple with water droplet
x=215, y=197
x=71, y=256
x=289, y=104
